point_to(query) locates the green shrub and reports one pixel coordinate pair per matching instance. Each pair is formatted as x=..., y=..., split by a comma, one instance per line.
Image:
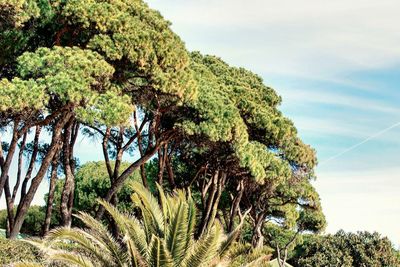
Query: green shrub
x=16, y=250
x=33, y=221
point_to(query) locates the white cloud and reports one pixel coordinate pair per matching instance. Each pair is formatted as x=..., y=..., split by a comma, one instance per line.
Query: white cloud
x=312, y=38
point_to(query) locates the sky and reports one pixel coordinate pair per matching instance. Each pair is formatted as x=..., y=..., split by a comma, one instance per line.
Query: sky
x=336, y=65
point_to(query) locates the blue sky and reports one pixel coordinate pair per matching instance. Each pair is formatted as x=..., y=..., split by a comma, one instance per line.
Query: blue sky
x=337, y=66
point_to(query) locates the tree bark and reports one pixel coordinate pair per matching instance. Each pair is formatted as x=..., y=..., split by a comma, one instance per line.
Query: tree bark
x=10, y=207
x=10, y=154
x=210, y=206
x=50, y=198
x=258, y=238
x=67, y=196
x=25, y=202
x=235, y=205
x=141, y=150
x=32, y=161
x=117, y=183
x=170, y=171
x=161, y=165
x=19, y=171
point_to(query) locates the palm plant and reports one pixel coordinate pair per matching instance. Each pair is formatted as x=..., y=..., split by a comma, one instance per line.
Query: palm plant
x=160, y=235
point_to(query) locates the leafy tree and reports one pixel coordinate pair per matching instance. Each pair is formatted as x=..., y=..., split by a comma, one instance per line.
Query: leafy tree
x=163, y=238
x=234, y=138
x=68, y=63
x=346, y=249
x=33, y=222
x=91, y=181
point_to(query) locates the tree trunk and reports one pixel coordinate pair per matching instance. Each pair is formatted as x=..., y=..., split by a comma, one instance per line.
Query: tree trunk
x=235, y=205
x=25, y=202
x=10, y=207
x=67, y=196
x=50, y=198
x=117, y=183
x=170, y=172
x=161, y=164
x=32, y=161
x=210, y=206
x=19, y=171
x=10, y=154
x=141, y=150
x=258, y=238
x=66, y=218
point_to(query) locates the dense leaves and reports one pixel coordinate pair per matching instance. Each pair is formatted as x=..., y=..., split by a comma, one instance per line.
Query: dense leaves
x=163, y=237
x=346, y=249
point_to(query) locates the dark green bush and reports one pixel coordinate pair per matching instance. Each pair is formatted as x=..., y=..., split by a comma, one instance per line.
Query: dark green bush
x=33, y=221
x=12, y=251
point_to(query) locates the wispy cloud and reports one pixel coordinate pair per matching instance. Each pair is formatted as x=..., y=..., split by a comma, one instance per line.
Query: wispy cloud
x=326, y=96
x=306, y=38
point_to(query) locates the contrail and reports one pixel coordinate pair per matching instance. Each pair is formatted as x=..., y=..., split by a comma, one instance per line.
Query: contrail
x=361, y=143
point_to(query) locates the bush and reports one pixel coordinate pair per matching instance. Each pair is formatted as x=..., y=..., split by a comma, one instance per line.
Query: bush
x=15, y=250
x=346, y=249
x=33, y=221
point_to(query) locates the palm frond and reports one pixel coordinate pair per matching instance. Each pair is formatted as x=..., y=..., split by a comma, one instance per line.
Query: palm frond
x=27, y=264
x=177, y=233
x=205, y=249
x=101, y=234
x=84, y=240
x=136, y=259
x=159, y=255
x=149, y=207
x=71, y=258
x=129, y=226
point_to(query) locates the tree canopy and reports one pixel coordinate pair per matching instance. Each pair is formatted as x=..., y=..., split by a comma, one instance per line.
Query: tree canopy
x=115, y=73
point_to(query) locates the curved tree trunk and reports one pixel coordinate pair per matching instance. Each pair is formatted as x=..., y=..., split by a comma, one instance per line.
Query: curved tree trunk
x=235, y=206
x=67, y=196
x=210, y=204
x=56, y=143
x=50, y=198
x=258, y=238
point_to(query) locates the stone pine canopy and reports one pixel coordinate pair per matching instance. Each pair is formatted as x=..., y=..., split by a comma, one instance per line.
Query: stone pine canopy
x=235, y=106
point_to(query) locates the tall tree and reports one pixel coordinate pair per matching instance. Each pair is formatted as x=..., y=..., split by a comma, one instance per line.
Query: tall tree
x=90, y=62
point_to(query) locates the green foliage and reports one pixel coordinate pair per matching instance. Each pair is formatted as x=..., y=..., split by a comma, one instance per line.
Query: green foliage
x=130, y=31
x=235, y=106
x=346, y=249
x=76, y=76
x=91, y=182
x=33, y=221
x=14, y=13
x=89, y=55
x=163, y=237
x=243, y=254
x=15, y=250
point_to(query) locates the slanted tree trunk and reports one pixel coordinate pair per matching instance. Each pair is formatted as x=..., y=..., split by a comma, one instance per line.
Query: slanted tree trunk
x=258, y=238
x=35, y=151
x=235, y=205
x=140, y=146
x=170, y=172
x=50, y=198
x=10, y=208
x=5, y=167
x=162, y=154
x=56, y=143
x=117, y=183
x=67, y=196
x=10, y=198
x=213, y=190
